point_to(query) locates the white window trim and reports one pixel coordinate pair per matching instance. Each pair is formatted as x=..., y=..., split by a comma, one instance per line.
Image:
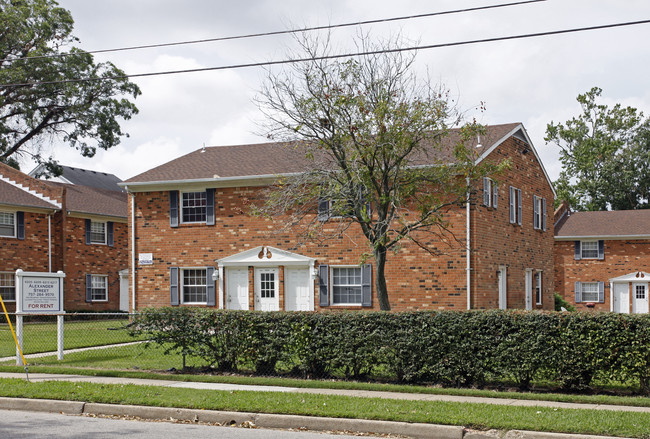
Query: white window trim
x=105, y=233
x=15, y=233
x=582, y=255
x=490, y=193
x=582, y=292
x=331, y=286
x=105, y=277
x=181, y=207
x=514, y=204
x=539, y=285
x=12, y=276
x=181, y=285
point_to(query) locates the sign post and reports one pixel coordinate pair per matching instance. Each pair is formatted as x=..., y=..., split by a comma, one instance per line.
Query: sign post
x=39, y=293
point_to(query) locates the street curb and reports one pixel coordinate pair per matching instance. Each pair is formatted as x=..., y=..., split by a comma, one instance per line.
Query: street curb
x=263, y=420
x=42, y=405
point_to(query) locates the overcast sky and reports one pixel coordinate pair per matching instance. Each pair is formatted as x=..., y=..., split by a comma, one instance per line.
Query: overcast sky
x=533, y=81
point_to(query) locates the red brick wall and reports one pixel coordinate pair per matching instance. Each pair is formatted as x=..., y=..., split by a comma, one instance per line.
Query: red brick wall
x=416, y=279
x=496, y=242
x=98, y=259
x=621, y=257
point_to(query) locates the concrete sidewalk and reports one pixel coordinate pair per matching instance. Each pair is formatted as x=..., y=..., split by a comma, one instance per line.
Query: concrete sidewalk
x=292, y=421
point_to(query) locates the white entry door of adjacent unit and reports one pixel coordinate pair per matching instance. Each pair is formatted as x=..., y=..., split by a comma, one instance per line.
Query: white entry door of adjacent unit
x=267, y=292
x=640, y=298
x=529, y=288
x=621, y=297
x=297, y=295
x=236, y=288
x=502, y=280
x=124, y=292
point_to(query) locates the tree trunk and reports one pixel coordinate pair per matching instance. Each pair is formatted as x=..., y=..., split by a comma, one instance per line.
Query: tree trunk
x=380, y=279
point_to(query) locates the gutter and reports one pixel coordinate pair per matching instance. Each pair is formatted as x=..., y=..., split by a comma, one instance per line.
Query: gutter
x=578, y=238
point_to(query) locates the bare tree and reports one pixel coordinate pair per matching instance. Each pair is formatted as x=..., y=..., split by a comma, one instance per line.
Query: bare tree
x=375, y=140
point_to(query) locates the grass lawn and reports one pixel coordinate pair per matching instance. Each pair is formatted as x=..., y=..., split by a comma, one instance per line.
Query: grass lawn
x=481, y=416
x=41, y=337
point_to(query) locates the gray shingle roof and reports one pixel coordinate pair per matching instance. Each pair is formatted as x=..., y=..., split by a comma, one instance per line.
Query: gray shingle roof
x=86, y=177
x=275, y=159
x=10, y=195
x=606, y=223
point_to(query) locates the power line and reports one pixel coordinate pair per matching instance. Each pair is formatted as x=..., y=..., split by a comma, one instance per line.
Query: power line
x=345, y=55
x=273, y=33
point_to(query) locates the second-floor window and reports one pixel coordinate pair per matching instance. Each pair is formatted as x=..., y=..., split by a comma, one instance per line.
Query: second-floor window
x=539, y=213
x=515, y=205
x=97, y=232
x=194, y=207
x=590, y=249
x=490, y=193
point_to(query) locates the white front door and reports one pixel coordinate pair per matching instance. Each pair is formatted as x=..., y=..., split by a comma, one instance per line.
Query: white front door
x=622, y=297
x=640, y=294
x=236, y=288
x=296, y=290
x=529, y=288
x=267, y=293
x=502, y=280
x=124, y=292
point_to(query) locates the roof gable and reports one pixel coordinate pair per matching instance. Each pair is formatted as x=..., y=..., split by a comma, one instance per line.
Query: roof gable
x=263, y=255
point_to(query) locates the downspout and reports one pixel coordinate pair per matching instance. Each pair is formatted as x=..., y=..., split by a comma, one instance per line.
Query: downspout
x=49, y=242
x=468, y=249
x=132, y=248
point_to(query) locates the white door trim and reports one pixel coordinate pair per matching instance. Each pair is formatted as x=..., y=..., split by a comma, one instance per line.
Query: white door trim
x=529, y=289
x=502, y=279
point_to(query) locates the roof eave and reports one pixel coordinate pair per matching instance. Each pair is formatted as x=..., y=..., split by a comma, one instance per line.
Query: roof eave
x=579, y=237
x=247, y=180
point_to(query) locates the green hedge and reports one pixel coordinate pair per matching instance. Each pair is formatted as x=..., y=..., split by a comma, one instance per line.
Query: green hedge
x=451, y=348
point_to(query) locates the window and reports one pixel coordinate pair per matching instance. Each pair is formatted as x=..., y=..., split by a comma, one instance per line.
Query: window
x=346, y=286
x=194, y=207
x=639, y=291
x=267, y=285
x=194, y=286
x=8, y=287
x=490, y=193
x=589, y=249
x=590, y=291
x=515, y=205
x=97, y=232
x=539, y=213
x=99, y=288
x=538, y=288
x=8, y=224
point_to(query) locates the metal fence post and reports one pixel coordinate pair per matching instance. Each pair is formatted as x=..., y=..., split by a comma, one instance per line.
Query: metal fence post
x=19, y=337
x=59, y=336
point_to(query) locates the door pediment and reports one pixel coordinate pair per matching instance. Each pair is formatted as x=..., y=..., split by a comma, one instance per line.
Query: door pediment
x=264, y=256
x=637, y=276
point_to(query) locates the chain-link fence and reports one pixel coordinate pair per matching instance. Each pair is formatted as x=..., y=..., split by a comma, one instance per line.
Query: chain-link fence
x=100, y=340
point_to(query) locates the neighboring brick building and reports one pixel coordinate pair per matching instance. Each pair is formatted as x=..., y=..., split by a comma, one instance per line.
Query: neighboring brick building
x=602, y=259
x=80, y=230
x=197, y=244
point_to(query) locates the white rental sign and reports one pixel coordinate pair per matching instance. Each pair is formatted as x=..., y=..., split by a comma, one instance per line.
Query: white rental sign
x=39, y=293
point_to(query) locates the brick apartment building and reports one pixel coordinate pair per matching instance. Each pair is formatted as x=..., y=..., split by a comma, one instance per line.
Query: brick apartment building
x=602, y=259
x=194, y=241
x=78, y=229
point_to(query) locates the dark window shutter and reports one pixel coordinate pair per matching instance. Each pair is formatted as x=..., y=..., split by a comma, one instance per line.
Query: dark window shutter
x=486, y=191
x=87, y=231
x=109, y=234
x=577, y=255
x=366, y=285
x=513, y=206
x=209, y=207
x=601, y=249
x=173, y=286
x=173, y=208
x=495, y=195
x=601, y=292
x=212, y=299
x=519, y=206
x=20, y=223
x=535, y=213
x=544, y=214
x=89, y=288
x=323, y=209
x=323, y=285
x=578, y=292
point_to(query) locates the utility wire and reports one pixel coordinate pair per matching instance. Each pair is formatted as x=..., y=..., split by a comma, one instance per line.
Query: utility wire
x=291, y=31
x=345, y=55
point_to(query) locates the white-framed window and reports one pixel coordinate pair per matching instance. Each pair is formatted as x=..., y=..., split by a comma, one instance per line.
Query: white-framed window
x=194, y=286
x=589, y=291
x=194, y=207
x=8, y=287
x=639, y=291
x=490, y=193
x=99, y=288
x=515, y=205
x=97, y=232
x=539, y=213
x=538, y=288
x=8, y=224
x=589, y=249
x=346, y=286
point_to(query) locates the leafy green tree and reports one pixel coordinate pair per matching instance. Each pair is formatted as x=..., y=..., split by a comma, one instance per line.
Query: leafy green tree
x=42, y=98
x=604, y=153
x=366, y=126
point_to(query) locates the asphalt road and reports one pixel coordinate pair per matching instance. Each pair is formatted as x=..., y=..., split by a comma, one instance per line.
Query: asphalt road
x=21, y=424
